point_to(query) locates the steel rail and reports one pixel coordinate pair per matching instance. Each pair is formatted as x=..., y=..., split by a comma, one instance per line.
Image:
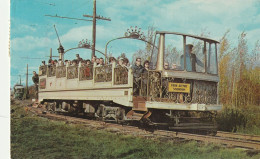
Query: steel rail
x=238, y=136
x=212, y=139
x=227, y=140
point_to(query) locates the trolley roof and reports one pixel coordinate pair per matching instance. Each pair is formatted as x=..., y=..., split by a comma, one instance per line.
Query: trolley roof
x=189, y=35
x=18, y=87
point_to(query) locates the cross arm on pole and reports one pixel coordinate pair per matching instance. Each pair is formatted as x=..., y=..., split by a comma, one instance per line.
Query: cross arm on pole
x=97, y=17
x=56, y=16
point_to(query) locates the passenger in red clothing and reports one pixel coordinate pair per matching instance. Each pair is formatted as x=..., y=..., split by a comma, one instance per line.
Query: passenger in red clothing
x=88, y=69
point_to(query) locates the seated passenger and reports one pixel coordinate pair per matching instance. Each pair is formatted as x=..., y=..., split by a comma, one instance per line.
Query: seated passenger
x=43, y=68
x=50, y=62
x=60, y=63
x=93, y=59
x=88, y=63
x=111, y=60
x=55, y=62
x=166, y=66
x=74, y=63
x=101, y=62
x=69, y=62
x=175, y=67
x=88, y=69
x=82, y=63
x=120, y=62
x=126, y=63
x=66, y=61
x=191, y=59
x=97, y=61
x=43, y=63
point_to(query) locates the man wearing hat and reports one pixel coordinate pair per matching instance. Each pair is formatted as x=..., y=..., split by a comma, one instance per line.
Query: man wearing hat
x=191, y=59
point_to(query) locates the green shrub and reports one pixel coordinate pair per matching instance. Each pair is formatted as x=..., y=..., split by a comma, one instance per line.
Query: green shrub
x=253, y=116
x=230, y=119
x=244, y=120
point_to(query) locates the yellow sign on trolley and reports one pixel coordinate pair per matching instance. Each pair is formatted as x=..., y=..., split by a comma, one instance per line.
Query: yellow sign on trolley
x=179, y=87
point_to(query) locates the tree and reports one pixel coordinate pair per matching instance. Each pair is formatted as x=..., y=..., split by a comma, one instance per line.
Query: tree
x=145, y=54
x=239, y=75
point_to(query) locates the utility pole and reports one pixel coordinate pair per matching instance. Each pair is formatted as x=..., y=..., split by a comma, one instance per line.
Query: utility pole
x=26, y=93
x=94, y=29
x=94, y=18
x=51, y=53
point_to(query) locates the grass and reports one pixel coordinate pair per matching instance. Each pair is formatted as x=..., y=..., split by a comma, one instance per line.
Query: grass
x=254, y=130
x=35, y=137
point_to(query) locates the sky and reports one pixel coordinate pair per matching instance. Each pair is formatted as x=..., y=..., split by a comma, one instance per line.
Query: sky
x=33, y=34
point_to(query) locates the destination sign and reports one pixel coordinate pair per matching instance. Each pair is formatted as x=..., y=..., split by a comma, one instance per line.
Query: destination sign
x=179, y=87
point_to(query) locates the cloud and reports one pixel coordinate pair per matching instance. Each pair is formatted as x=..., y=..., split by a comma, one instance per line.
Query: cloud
x=28, y=43
x=222, y=7
x=29, y=28
x=103, y=33
x=76, y=34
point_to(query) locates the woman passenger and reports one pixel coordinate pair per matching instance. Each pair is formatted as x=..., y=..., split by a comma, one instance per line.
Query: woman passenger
x=111, y=60
x=74, y=63
x=126, y=63
x=88, y=62
x=88, y=69
x=146, y=66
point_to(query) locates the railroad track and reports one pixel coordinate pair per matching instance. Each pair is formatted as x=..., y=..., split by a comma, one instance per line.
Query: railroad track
x=224, y=138
x=238, y=136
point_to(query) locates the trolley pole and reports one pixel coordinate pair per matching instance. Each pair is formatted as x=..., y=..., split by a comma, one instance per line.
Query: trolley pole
x=20, y=80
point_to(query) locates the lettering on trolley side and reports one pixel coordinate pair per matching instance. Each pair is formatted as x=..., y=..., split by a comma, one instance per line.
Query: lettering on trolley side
x=179, y=87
